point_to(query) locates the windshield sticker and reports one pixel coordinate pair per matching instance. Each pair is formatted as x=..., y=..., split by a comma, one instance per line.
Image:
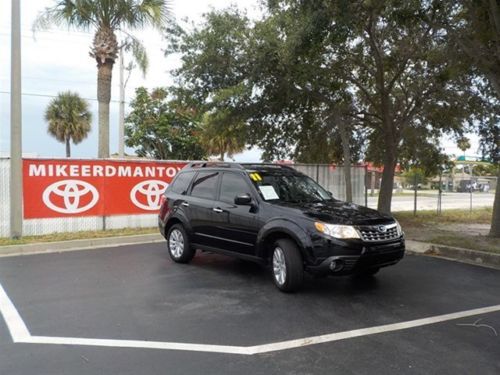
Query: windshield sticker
x=268, y=192
x=255, y=177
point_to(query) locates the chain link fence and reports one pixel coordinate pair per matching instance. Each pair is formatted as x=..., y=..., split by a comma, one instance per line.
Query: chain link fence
x=461, y=192
x=332, y=178
x=4, y=197
x=34, y=227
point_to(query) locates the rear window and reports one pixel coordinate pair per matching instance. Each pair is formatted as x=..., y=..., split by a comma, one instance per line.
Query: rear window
x=181, y=183
x=205, y=184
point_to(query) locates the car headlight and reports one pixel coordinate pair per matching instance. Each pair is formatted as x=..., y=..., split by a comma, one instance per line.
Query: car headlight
x=398, y=228
x=337, y=231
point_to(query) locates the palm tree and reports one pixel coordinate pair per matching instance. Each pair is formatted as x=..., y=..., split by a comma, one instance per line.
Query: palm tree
x=69, y=119
x=220, y=136
x=463, y=144
x=106, y=17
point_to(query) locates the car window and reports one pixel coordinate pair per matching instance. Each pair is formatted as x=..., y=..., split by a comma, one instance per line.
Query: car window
x=181, y=183
x=288, y=187
x=205, y=184
x=232, y=185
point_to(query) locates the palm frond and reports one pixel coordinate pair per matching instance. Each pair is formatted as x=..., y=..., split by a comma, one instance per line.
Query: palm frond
x=68, y=117
x=143, y=13
x=80, y=14
x=139, y=54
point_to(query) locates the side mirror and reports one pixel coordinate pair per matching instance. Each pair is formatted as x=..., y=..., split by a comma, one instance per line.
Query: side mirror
x=243, y=200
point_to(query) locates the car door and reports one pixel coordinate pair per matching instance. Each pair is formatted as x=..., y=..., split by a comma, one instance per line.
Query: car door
x=237, y=224
x=201, y=203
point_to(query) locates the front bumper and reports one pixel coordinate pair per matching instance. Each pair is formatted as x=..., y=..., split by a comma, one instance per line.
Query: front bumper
x=345, y=258
x=161, y=227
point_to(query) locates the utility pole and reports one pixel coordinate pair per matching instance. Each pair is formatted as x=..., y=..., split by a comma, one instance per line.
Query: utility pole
x=16, y=162
x=121, y=123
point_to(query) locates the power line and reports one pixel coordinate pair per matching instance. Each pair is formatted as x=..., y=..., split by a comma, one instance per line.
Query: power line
x=54, y=96
x=67, y=36
x=57, y=80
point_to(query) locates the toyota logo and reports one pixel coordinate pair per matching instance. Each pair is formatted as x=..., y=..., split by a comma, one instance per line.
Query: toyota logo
x=382, y=229
x=70, y=196
x=147, y=194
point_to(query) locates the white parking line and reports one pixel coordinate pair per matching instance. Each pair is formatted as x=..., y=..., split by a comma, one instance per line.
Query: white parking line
x=15, y=324
x=20, y=334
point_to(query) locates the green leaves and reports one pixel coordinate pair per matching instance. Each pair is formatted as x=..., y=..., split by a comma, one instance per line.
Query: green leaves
x=162, y=128
x=68, y=117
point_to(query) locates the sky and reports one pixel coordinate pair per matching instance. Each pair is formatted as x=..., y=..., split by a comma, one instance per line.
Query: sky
x=57, y=60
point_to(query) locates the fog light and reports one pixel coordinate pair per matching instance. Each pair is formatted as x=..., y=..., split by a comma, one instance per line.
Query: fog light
x=336, y=265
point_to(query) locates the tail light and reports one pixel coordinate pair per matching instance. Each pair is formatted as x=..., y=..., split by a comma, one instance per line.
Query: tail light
x=163, y=206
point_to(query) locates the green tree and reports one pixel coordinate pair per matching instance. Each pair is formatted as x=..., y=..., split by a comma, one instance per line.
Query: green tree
x=474, y=27
x=106, y=17
x=376, y=62
x=163, y=129
x=463, y=143
x=406, y=88
x=416, y=176
x=214, y=77
x=69, y=119
x=257, y=84
x=220, y=137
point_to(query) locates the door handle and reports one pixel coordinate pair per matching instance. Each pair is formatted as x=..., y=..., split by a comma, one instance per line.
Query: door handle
x=217, y=209
x=185, y=204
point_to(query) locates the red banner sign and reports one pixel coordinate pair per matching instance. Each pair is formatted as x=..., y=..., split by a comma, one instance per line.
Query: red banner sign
x=66, y=188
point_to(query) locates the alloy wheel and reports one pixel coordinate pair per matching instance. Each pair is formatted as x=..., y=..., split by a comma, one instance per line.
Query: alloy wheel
x=176, y=243
x=279, y=266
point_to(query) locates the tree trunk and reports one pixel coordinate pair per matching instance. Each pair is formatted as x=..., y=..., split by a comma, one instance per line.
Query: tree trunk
x=495, y=218
x=385, y=194
x=68, y=148
x=344, y=136
x=104, y=72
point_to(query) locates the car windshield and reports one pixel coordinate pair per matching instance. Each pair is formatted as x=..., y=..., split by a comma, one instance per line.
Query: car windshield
x=288, y=187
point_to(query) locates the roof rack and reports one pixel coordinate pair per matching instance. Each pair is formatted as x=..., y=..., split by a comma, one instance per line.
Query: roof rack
x=212, y=164
x=268, y=165
x=215, y=164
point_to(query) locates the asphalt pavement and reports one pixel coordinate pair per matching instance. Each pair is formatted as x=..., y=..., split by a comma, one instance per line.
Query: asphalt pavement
x=219, y=315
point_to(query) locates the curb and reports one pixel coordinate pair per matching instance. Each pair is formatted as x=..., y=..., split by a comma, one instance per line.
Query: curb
x=477, y=257
x=85, y=244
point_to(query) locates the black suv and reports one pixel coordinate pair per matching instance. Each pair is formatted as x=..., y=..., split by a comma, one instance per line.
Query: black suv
x=275, y=215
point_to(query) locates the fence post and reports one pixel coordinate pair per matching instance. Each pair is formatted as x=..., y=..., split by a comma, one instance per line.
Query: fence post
x=470, y=193
x=366, y=185
x=415, y=195
x=439, y=193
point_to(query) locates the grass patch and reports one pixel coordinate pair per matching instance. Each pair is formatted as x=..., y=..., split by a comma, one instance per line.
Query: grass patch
x=457, y=228
x=477, y=216
x=78, y=235
x=482, y=243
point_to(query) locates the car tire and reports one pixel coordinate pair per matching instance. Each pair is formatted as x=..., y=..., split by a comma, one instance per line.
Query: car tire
x=286, y=266
x=178, y=244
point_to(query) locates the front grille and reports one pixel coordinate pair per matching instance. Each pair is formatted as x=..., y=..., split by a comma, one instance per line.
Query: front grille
x=376, y=233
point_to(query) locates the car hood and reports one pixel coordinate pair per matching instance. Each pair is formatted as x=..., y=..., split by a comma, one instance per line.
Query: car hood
x=339, y=212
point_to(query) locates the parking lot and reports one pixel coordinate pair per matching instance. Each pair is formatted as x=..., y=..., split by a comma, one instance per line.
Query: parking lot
x=130, y=310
